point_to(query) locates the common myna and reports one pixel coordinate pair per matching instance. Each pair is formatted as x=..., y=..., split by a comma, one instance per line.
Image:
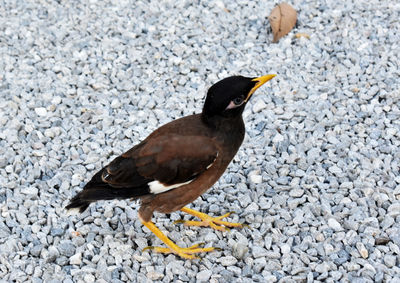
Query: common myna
x=178, y=162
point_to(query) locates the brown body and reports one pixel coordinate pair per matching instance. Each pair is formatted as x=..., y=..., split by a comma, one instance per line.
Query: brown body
x=227, y=142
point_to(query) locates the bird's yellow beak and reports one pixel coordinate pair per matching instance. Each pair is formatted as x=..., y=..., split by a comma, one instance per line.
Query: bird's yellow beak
x=260, y=81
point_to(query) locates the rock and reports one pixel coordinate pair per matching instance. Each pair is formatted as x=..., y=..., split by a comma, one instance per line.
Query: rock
x=154, y=275
x=76, y=259
x=335, y=170
x=382, y=240
x=259, y=105
x=56, y=232
x=41, y=111
x=296, y=192
x=322, y=267
x=389, y=260
x=394, y=209
x=362, y=250
x=176, y=267
x=36, y=250
x=227, y=260
x=278, y=138
x=66, y=248
x=334, y=224
x=252, y=208
x=285, y=249
x=29, y=191
x=258, y=251
x=204, y=275
x=89, y=278
x=256, y=179
x=239, y=250
x=52, y=254
x=115, y=103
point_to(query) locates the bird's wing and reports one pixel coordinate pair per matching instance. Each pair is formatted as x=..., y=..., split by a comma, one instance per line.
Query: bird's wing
x=162, y=163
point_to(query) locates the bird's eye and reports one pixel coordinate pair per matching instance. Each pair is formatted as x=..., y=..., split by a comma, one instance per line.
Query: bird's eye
x=238, y=100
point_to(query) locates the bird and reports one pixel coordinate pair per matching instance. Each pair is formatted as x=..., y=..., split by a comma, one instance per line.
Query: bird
x=178, y=162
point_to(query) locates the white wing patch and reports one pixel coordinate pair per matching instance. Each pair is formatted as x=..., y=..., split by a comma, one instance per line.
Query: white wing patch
x=157, y=188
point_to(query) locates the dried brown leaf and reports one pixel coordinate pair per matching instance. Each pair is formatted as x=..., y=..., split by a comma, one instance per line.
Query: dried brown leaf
x=282, y=19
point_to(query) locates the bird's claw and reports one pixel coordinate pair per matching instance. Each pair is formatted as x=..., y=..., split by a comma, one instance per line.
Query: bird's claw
x=183, y=252
x=214, y=222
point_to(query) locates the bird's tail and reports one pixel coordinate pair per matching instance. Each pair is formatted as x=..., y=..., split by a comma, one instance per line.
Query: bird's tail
x=98, y=190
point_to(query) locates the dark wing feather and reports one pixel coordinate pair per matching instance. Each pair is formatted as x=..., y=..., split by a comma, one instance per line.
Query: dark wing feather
x=169, y=159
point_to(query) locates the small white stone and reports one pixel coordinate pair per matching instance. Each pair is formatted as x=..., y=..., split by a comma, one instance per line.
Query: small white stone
x=320, y=237
x=49, y=133
x=252, y=208
x=334, y=224
x=39, y=153
x=322, y=267
x=394, y=209
x=298, y=219
x=328, y=249
x=154, y=275
x=259, y=252
x=256, y=179
x=335, y=170
x=89, y=278
x=220, y=4
x=227, y=260
x=239, y=250
x=285, y=249
x=258, y=106
x=362, y=250
x=115, y=103
x=76, y=179
x=30, y=191
x=278, y=138
x=56, y=100
x=76, y=259
x=108, y=211
x=296, y=192
x=9, y=169
x=73, y=211
x=41, y=111
x=35, y=228
x=346, y=185
x=91, y=158
x=390, y=260
x=204, y=275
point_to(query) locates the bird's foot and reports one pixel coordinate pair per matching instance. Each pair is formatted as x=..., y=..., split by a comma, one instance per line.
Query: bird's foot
x=187, y=253
x=214, y=222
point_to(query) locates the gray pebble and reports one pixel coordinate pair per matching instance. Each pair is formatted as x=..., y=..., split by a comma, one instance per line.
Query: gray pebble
x=258, y=252
x=204, y=275
x=36, y=250
x=227, y=260
x=394, y=209
x=52, y=255
x=56, y=232
x=176, y=267
x=334, y=224
x=66, y=248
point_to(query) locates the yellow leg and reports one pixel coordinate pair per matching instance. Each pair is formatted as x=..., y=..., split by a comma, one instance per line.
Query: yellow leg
x=172, y=247
x=214, y=222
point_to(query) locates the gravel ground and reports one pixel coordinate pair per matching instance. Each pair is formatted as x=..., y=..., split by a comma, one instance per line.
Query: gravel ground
x=317, y=177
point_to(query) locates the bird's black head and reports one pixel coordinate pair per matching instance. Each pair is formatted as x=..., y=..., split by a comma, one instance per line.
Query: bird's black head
x=228, y=97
